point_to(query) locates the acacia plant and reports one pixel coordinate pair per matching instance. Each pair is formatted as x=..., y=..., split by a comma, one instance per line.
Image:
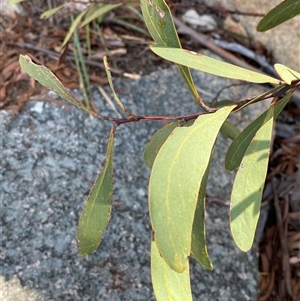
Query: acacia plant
x=180, y=155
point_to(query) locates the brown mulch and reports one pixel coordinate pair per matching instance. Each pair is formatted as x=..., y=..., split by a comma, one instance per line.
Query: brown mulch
x=280, y=245
x=127, y=51
x=129, y=55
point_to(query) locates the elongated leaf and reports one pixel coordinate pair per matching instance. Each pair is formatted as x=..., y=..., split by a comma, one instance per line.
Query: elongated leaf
x=46, y=78
x=98, y=11
x=159, y=21
x=168, y=285
x=97, y=209
x=74, y=25
x=239, y=145
x=229, y=130
x=287, y=74
x=248, y=185
x=174, y=185
x=209, y=65
x=156, y=141
x=50, y=12
x=224, y=102
x=279, y=14
x=199, y=249
x=13, y=2
x=92, y=9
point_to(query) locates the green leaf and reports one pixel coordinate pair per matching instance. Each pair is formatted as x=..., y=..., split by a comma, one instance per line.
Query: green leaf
x=248, y=185
x=98, y=11
x=97, y=209
x=224, y=102
x=91, y=11
x=279, y=14
x=48, y=13
x=199, y=249
x=229, y=130
x=13, y=2
x=168, y=285
x=156, y=141
x=47, y=79
x=287, y=74
x=74, y=26
x=207, y=64
x=174, y=185
x=239, y=145
x=159, y=21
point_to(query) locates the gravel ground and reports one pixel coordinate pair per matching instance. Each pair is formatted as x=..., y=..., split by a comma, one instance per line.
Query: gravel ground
x=50, y=158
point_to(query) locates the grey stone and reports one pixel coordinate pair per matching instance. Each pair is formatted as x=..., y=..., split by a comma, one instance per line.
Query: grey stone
x=50, y=159
x=283, y=41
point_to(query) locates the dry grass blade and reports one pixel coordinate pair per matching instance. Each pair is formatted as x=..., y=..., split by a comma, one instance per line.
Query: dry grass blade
x=109, y=101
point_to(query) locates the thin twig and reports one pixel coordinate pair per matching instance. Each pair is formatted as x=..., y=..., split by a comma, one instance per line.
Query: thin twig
x=214, y=100
x=276, y=92
x=135, y=118
x=120, y=121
